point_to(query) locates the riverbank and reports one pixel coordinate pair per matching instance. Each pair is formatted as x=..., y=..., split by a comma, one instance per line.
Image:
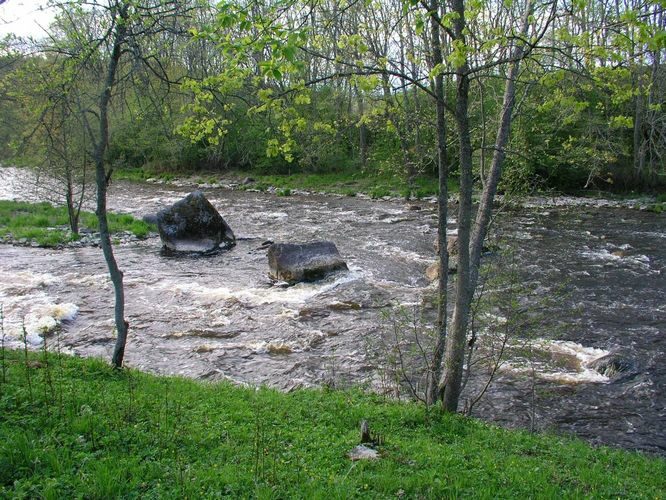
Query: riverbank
x=75, y=427
x=375, y=186
x=43, y=225
x=386, y=187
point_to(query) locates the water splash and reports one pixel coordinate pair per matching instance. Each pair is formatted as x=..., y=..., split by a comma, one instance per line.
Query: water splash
x=558, y=361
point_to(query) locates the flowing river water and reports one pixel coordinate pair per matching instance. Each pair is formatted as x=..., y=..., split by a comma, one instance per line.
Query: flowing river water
x=597, y=274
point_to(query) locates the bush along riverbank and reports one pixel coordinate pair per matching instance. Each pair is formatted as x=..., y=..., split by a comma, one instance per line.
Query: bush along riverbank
x=77, y=428
x=43, y=225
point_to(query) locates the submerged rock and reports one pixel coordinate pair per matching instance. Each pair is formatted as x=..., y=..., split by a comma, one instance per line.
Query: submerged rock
x=451, y=244
x=432, y=271
x=304, y=262
x=615, y=367
x=150, y=219
x=193, y=225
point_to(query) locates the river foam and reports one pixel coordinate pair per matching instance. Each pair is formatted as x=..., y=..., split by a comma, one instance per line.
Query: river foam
x=558, y=361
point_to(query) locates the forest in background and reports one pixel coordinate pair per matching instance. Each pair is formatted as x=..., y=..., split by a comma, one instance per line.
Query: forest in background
x=346, y=86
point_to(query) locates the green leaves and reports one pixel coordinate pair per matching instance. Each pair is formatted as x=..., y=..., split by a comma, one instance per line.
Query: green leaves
x=622, y=122
x=458, y=56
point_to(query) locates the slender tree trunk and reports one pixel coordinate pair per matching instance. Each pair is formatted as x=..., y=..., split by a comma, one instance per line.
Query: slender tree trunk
x=455, y=342
x=653, y=133
x=102, y=179
x=484, y=213
x=408, y=165
x=72, y=212
x=469, y=249
x=484, y=139
x=415, y=121
x=433, y=392
x=639, y=151
x=393, y=113
x=362, y=132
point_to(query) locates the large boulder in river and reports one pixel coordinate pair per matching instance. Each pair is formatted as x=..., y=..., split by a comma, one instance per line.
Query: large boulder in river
x=193, y=225
x=615, y=366
x=303, y=262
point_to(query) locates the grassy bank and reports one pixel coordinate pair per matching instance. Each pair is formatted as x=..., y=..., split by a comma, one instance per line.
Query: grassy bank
x=47, y=225
x=347, y=183
x=76, y=428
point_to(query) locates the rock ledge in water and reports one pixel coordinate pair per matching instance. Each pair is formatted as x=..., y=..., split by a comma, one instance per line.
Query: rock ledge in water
x=304, y=262
x=615, y=366
x=193, y=225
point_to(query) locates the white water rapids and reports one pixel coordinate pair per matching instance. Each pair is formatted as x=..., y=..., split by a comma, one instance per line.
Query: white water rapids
x=221, y=318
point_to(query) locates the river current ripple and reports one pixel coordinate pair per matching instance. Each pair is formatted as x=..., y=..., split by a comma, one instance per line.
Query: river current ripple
x=596, y=275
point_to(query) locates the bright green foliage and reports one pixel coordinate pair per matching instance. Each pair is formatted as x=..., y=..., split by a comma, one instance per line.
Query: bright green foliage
x=575, y=133
x=86, y=430
x=291, y=87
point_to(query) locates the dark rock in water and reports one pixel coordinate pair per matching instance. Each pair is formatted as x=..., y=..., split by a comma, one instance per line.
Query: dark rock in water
x=615, y=367
x=247, y=180
x=309, y=313
x=353, y=295
x=150, y=219
x=193, y=225
x=304, y=262
x=451, y=245
x=265, y=245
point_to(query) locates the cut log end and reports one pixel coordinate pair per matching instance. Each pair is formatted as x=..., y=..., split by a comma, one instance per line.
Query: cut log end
x=365, y=432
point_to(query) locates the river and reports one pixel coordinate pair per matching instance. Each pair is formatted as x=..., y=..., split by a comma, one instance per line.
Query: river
x=593, y=277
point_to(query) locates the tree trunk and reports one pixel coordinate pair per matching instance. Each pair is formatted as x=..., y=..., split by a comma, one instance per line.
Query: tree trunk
x=455, y=343
x=405, y=122
x=484, y=213
x=639, y=150
x=432, y=391
x=102, y=179
x=362, y=132
x=393, y=113
x=72, y=212
x=469, y=249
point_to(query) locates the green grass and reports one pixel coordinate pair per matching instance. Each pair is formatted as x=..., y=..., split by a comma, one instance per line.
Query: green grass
x=130, y=174
x=141, y=174
x=48, y=225
x=83, y=430
x=659, y=206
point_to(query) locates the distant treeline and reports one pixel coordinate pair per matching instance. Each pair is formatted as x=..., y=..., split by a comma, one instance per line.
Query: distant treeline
x=350, y=93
